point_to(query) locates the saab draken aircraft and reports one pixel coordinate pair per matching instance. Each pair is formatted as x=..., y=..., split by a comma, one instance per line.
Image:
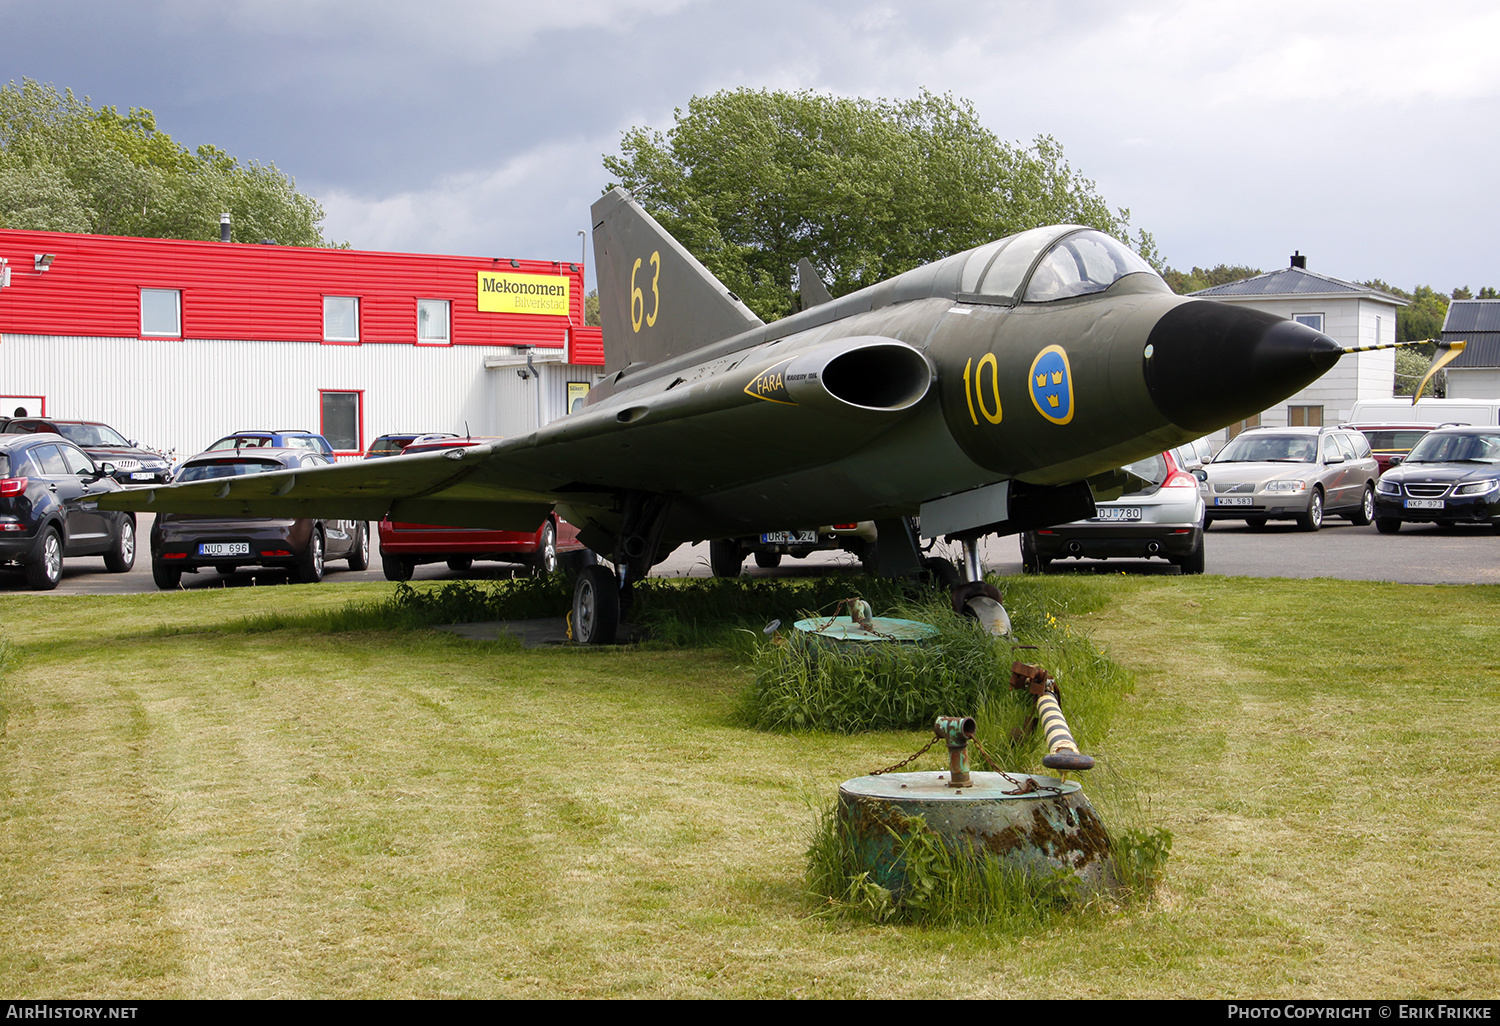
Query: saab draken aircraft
x=977, y=393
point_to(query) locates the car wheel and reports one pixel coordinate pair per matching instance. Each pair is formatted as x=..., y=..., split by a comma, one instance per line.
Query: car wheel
x=725, y=557
x=1387, y=525
x=1366, y=512
x=458, y=564
x=396, y=568
x=1256, y=523
x=596, y=606
x=225, y=570
x=310, y=566
x=121, y=555
x=545, y=560
x=45, y=571
x=167, y=577
x=768, y=560
x=1193, y=562
x=1032, y=562
x=359, y=556
x=1313, y=518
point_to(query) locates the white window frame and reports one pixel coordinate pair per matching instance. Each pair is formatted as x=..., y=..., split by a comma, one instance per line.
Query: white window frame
x=447, y=307
x=328, y=335
x=1312, y=320
x=324, y=395
x=176, y=331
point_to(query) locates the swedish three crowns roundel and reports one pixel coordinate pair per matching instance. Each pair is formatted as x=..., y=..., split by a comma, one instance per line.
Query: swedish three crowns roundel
x=1052, y=385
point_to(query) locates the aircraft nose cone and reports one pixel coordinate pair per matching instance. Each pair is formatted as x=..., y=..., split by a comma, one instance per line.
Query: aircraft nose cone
x=1211, y=364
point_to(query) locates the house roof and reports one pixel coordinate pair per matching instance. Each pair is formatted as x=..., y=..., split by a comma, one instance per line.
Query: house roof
x=1293, y=281
x=1473, y=315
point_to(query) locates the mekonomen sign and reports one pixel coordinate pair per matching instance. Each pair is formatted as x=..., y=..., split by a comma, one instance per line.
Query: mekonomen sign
x=523, y=293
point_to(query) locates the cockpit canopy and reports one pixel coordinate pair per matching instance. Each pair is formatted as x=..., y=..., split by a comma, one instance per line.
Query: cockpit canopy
x=1077, y=262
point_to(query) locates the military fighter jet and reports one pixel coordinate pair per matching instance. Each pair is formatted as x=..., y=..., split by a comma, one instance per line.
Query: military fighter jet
x=977, y=392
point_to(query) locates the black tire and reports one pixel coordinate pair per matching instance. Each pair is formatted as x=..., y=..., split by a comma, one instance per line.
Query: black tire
x=1363, y=516
x=1192, y=563
x=1387, y=525
x=359, y=556
x=310, y=565
x=460, y=564
x=395, y=568
x=45, y=569
x=941, y=573
x=225, y=570
x=768, y=560
x=596, y=606
x=1256, y=523
x=121, y=555
x=545, y=560
x=1032, y=562
x=725, y=557
x=167, y=577
x=1312, y=520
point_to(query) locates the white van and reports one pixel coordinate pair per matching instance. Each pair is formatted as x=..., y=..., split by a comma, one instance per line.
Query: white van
x=1478, y=412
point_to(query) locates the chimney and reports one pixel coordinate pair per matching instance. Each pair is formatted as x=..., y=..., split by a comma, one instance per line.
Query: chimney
x=223, y=227
x=1298, y=260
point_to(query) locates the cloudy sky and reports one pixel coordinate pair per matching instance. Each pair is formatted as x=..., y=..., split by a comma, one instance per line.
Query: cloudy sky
x=1361, y=134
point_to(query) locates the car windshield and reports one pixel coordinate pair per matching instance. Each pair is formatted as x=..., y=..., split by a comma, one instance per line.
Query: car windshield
x=1248, y=448
x=1437, y=447
x=224, y=468
x=92, y=434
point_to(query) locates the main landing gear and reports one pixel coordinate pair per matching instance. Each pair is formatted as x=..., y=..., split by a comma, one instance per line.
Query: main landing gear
x=601, y=595
x=976, y=598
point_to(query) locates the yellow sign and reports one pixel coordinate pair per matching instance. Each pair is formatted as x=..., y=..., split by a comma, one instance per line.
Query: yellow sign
x=523, y=293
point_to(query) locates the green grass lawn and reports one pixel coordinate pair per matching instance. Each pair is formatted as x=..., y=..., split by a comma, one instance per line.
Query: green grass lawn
x=190, y=811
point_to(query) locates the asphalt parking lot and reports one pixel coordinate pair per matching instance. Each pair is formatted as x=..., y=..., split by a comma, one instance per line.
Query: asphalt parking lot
x=1417, y=555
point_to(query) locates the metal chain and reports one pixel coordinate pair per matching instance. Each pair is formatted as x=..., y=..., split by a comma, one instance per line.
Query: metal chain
x=1028, y=787
x=909, y=759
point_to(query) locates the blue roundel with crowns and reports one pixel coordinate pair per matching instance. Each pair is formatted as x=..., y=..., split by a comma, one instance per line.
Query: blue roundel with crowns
x=1052, y=385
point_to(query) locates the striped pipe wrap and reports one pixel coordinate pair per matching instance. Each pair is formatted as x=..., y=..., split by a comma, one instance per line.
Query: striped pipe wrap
x=1059, y=738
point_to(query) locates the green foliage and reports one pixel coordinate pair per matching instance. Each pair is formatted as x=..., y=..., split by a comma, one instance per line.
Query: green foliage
x=1411, y=367
x=1423, y=318
x=1141, y=857
x=65, y=166
x=750, y=181
x=1183, y=282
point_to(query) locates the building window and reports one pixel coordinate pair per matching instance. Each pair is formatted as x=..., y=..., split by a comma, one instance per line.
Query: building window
x=340, y=319
x=343, y=420
x=1248, y=422
x=1304, y=416
x=161, y=312
x=432, y=322
x=1313, y=321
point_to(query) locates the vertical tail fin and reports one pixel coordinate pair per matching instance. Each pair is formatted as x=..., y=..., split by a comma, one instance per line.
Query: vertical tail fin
x=656, y=301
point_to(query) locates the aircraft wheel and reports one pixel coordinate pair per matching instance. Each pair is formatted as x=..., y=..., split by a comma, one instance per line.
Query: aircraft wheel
x=941, y=573
x=725, y=557
x=596, y=606
x=768, y=560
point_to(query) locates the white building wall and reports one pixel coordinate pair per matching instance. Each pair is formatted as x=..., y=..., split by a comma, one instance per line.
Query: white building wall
x=185, y=395
x=1474, y=383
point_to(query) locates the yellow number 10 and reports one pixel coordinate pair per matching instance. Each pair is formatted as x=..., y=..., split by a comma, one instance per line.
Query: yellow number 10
x=974, y=390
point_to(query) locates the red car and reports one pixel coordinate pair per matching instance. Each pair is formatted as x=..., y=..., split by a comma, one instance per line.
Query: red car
x=1388, y=440
x=404, y=546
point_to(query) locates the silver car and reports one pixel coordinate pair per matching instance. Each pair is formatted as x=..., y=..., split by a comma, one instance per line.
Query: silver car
x=1295, y=473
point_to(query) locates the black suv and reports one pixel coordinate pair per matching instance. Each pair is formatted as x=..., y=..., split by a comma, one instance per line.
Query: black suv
x=49, y=509
x=132, y=464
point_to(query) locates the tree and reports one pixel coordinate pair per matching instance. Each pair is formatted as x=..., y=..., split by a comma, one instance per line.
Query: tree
x=1183, y=282
x=65, y=166
x=750, y=181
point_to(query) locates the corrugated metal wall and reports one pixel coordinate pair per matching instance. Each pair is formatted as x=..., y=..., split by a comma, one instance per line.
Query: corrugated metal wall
x=169, y=393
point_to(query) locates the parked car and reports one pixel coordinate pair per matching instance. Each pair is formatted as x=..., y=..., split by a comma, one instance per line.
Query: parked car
x=1390, y=440
x=132, y=464
x=1450, y=477
x=1151, y=508
x=49, y=511
x=727, y=555
x=1295, y=473
x=183, y=543
x=405, y=546
x=279, y=438
x=395, y=443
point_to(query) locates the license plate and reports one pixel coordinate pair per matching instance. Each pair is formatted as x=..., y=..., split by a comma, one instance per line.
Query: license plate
x=789, y=538
x=1424, y=503
x=1235, y=500
x=1117, y=513
x=224, y=549
x=140, y=475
